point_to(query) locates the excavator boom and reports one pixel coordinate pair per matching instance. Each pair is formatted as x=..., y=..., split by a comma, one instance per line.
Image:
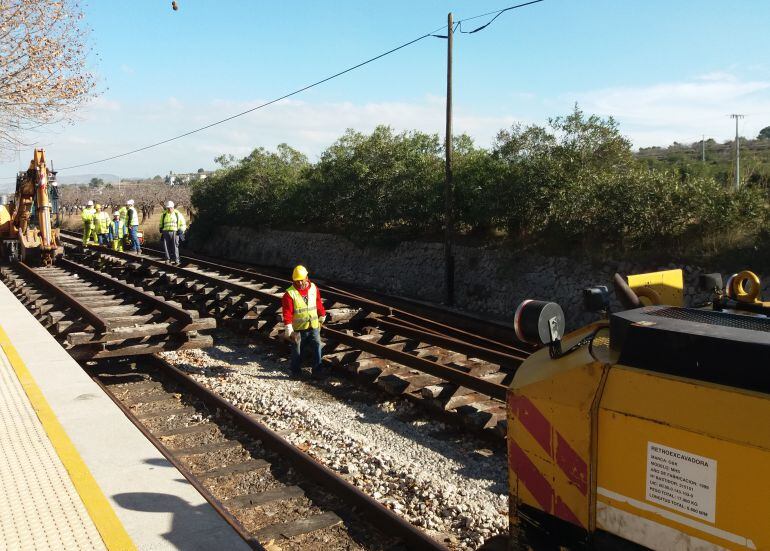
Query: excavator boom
x=22, y=237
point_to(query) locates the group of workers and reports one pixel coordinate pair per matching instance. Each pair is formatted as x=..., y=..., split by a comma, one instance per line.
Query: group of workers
x=303, y=311
x=121, y=231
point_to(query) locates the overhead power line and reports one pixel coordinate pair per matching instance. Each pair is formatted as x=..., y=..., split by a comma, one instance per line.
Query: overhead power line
x=304, y=88
x=488, y=23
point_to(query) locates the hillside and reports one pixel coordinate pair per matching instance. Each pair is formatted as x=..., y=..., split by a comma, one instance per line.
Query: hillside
x=687, y=159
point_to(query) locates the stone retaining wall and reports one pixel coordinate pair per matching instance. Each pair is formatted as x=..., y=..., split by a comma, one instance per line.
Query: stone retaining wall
x=488, y=281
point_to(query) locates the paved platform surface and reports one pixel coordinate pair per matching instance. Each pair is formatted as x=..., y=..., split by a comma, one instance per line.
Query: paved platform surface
x=38, y=502
x=73, y=467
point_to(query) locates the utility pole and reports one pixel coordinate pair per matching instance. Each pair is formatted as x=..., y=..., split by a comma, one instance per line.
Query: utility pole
x=449, y=267
x=703, y=149
x=737, y=152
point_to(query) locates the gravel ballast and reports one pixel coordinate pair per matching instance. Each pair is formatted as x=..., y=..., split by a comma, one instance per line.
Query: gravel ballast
x=447, y=482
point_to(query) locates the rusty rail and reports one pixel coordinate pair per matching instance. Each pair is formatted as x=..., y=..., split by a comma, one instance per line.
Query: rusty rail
x=191, y=478
x=98, y=322
x=159, y=304
x=445, y=372
x=382, y=517
x=407, y=329
x=451, y=374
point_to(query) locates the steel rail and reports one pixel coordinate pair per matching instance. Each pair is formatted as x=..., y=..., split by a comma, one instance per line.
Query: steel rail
x=447, y=373
x=191, y=478
x=382, y=517
x=494, y=331
x=159, y=304
x=343, y=295
x=98, y=322
x=348, y=297
x=451, y=374
x=331, y=292
x=400, y=327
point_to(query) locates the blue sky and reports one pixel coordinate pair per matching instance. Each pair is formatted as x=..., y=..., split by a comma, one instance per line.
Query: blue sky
x=667, y=70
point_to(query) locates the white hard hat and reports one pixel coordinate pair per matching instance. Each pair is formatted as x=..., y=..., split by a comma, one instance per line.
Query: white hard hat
x=169, y=204
x=130, y=202
x=115, y=214
x=90, y=203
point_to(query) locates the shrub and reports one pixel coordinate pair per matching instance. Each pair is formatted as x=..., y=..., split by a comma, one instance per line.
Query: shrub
x=574, y=183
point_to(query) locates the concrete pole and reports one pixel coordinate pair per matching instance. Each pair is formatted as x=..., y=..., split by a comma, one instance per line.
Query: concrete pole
x=737, y=152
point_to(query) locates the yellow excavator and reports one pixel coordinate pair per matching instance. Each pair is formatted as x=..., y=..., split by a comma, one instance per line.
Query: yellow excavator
x=29, y=224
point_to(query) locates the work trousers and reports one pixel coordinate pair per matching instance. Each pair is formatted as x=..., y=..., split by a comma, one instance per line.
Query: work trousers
x=170, y=245
x=117, y=244
x=104, y=239
x=89, y=233
x=311, y=338
x=132, y=232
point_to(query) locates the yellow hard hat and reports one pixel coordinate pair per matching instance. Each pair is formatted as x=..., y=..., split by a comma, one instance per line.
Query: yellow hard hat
x=299, y=273
x=98, y=206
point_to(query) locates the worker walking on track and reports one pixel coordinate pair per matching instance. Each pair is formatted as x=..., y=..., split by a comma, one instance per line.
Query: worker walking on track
x=132, y=223
x=172, y=227
x=303, y=315
x=101, y=225
x=88, y=215
x=117, y=232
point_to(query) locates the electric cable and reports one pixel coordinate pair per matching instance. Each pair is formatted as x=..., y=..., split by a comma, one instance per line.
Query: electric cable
x=498, y=14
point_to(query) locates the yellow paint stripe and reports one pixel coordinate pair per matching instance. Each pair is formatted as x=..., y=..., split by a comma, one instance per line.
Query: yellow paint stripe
x=99, y=509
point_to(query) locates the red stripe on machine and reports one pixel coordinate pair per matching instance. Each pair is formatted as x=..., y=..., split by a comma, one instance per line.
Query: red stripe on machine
x=568, y=460
x=572, y=464
x=528, y=474
x=565, y=513
x=530, y=417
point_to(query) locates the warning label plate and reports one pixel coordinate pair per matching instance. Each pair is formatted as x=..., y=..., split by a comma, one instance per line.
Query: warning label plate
x=682, y=481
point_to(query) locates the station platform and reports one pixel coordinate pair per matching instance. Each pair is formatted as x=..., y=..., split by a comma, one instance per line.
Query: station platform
x=75, y=473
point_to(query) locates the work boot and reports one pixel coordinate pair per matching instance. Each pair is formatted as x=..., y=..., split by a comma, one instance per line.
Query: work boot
x=296, y=375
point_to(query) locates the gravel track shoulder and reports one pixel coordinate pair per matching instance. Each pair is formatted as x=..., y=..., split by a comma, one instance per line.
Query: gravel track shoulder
x=446, y=481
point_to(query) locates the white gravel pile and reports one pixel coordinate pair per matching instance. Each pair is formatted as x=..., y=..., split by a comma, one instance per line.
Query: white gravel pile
x=456, y=489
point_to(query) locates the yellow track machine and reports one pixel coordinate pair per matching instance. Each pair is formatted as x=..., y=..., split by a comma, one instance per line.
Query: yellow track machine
x=27, y=224
x=650, y=428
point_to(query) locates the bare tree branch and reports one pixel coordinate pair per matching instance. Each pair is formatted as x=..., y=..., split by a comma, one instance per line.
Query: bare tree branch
x=43, y=74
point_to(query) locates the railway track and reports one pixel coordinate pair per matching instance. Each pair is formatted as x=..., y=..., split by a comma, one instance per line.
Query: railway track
x=492, y=333
x=268, y=490
x=96, y=316
x=453, y=368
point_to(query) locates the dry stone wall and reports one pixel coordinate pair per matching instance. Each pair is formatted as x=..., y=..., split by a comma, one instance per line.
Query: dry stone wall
x=489, y=281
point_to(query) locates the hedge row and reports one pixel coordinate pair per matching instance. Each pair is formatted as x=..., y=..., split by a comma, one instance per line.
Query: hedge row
x=574, y=182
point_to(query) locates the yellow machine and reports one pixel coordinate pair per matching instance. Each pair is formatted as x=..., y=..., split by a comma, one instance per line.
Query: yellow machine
x=651, y=427
x=27, y=225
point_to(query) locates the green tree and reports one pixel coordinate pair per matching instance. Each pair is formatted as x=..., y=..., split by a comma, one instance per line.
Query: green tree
x=96, y=183
x=379, y=184
x=252, y=191
x=572, y=184
x=764, y=134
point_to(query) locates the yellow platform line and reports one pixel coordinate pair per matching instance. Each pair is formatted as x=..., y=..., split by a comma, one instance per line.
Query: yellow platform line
x=99, y=509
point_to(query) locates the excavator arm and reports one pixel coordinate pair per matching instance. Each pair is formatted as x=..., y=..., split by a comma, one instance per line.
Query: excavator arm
x=32, y=239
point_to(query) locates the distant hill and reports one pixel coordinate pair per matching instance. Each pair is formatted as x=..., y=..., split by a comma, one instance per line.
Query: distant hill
x=85, y=178
x=65, y=180
x=719, y=160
